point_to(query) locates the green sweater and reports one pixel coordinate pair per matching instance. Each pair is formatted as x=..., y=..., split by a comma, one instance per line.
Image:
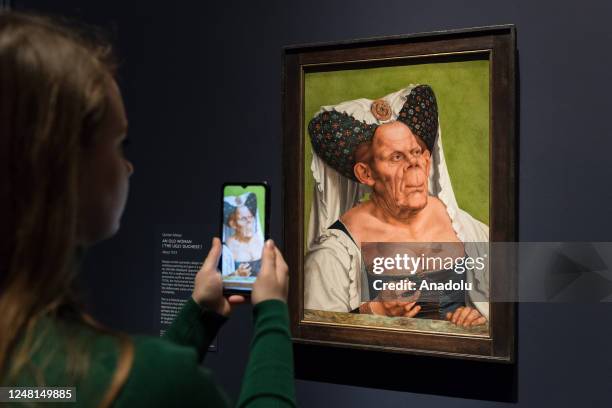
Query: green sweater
x=167, y=372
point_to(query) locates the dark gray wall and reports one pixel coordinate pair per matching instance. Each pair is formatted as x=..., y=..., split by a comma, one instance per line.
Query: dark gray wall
x=204, y=78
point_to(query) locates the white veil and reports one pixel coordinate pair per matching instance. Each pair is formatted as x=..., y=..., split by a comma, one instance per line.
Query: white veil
x=334, y=194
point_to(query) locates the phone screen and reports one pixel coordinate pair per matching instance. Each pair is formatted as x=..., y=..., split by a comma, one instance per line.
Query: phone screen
x=243, y=233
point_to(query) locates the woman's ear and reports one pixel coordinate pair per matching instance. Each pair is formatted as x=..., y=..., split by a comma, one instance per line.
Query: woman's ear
x=363, y=173
x=427, y=158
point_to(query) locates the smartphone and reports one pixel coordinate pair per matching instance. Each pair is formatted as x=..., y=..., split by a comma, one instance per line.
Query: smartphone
x=245, y=215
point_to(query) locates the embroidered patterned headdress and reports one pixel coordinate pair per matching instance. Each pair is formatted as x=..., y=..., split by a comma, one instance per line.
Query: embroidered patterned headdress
x=335, y=135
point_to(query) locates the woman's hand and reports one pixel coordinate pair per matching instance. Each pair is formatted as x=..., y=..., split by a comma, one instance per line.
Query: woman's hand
x=208, y=288
x=273, y=279
x=466, y=317
x=244, y=270
x=393, y=306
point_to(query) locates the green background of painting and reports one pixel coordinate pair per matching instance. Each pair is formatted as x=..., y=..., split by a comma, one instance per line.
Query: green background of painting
x=260, y=193
x=462, y=92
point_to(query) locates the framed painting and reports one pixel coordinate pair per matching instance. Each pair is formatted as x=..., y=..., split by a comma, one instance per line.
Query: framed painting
x=399, y=176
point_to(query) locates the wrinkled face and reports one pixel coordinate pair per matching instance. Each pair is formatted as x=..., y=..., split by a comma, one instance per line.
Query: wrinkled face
x=104, y=174
x=399, y=168
x=243, y=222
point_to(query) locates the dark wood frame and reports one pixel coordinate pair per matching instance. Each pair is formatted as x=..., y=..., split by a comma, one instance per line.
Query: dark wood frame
x=499, y=43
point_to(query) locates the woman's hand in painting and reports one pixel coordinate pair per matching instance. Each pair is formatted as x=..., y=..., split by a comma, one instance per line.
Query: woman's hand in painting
x=273, y=278
x=392, y=306
x=243, y=270
x=466, y=316
x=208, y=287
x=395, y=308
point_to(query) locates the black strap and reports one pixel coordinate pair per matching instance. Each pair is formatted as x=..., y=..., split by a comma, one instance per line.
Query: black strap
x=338, y=225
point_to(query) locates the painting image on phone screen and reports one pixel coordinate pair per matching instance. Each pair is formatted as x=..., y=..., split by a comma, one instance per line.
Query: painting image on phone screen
x=242, y=234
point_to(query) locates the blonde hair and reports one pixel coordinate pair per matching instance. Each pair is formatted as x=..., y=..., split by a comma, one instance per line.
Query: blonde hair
x=52, y=99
